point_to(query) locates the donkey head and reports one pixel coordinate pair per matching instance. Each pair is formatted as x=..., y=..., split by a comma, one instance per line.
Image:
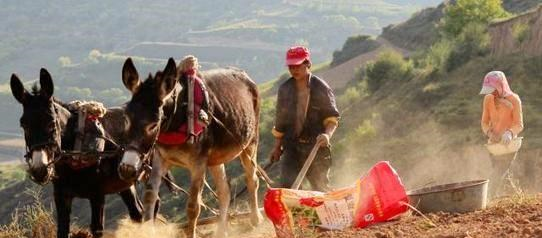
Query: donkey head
x=144, y=113
x=41, y=124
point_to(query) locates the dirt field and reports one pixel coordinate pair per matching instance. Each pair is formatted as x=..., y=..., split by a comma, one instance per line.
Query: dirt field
x=518, y=216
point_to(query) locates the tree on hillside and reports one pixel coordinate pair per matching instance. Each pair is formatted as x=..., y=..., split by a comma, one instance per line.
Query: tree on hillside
x=472, y=42
x=466, y=12
x=389, y=66
x=354, y=46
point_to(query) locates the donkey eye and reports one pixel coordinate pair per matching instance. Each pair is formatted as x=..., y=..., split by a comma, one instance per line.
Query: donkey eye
x=152, y=127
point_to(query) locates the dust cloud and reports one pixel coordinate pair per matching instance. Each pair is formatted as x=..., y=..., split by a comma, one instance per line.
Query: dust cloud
x=426, y=155
x=128, y=229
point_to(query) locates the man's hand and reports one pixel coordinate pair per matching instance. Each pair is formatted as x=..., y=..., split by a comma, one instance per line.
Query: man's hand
x=277, y=150
x=275, y=154
x=322, y=139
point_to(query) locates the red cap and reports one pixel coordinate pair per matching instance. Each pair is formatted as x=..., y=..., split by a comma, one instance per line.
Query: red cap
x=296, y=55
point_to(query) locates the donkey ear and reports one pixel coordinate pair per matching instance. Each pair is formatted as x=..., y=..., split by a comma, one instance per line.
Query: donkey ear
x=130, y=77
x=17, y=89
x=46, y=83
x=169, y=79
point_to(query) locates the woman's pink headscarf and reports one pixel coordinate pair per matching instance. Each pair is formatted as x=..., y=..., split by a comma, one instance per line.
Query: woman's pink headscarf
x=496, y=80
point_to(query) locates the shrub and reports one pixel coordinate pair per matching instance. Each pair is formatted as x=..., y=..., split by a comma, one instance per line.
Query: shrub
x=435, y=60
x=365, y=132
x=354, y=46
x=33, y=221
x=352, y=95
x=465, y=12
x=473, y=42
x=390, y=65
x=521, y=32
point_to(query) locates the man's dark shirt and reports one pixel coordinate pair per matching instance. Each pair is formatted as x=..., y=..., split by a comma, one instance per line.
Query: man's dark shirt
x=320, y=107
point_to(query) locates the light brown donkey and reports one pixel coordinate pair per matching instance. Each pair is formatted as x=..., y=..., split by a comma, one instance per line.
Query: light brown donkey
x=232, y=132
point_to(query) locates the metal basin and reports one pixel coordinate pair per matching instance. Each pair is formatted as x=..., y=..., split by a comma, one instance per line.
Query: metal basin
x=455, y=197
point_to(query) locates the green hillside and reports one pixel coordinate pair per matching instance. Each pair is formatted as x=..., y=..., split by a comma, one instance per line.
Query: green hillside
x=420, y=30
x=430, y=128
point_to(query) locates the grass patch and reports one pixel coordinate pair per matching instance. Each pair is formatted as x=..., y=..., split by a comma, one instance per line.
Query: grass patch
x=33, y=220
x=516, y=200
x=10, y=174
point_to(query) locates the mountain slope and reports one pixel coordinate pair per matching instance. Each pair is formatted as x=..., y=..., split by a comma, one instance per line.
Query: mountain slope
x=83, y=44
x=420, y=30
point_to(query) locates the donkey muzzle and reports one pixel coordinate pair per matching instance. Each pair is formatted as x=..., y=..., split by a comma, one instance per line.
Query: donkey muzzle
x=41, y=175
x=127, y=172
x=129, y=167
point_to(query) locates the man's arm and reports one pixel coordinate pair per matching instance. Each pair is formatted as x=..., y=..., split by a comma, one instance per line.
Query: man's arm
x=330, y=125
x=280, y=124
x=332, y=118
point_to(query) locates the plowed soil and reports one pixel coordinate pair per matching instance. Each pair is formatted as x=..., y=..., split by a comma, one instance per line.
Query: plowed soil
x=517, y=216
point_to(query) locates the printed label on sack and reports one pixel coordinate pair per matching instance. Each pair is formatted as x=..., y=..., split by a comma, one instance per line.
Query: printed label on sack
x=336, y=214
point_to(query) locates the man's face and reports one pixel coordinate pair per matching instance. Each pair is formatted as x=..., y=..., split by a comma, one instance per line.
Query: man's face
x=299, y=71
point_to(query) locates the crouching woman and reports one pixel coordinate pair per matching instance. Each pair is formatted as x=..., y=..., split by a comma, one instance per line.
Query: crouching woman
x=502, y=121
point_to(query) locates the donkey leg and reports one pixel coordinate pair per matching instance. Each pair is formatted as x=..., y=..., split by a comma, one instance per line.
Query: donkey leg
x=150, y=197
x=63, y=204
x=248, y=160
x=223, y=190
x=97, y=204
x=134, y=205
x=193, y=209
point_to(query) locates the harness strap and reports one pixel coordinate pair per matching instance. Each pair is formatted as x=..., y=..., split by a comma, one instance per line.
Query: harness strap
x=190, y=109
x=81, y=120
x=174, y=98
x=260, y=171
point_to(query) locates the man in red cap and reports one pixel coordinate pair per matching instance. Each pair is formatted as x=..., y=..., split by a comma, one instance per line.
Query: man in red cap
x=306, y=115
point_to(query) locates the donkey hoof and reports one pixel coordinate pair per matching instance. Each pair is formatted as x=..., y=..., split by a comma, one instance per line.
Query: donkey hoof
x=256, y=219
x=127, y=172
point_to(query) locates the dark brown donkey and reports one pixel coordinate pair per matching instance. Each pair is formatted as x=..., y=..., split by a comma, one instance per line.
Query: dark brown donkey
x=233, y=132
x=49, y=128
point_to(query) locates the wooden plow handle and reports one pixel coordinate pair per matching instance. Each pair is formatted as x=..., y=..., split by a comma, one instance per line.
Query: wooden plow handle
x=306, y=166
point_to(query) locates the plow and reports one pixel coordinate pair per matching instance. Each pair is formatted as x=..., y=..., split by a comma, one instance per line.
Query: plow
x=262, y=173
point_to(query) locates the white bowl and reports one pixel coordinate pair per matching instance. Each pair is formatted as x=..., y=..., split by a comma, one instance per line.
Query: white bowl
x=502, y=149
